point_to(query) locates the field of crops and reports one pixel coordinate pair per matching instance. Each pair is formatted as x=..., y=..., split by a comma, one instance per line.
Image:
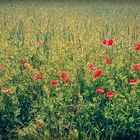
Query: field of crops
x=70, y=70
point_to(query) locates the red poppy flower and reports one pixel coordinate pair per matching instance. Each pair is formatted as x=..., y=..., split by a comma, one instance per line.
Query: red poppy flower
x=1, y=68
x=64, y=76
x=90, y=65
x=104, y=42
x=133, y=82
x=6, y=91
x=137, y=47
x=54, y=83
x=99, y=90
x=37, y=76
x=110, y=94
x=136, y=67
x=110, y=42
x=107, y=61
x=25, y=63
x=97, y=74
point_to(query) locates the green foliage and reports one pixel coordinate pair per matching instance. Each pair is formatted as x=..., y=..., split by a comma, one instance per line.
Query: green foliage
x=56, y=37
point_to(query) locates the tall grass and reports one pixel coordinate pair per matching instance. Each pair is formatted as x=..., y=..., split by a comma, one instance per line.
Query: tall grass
x=65, y=36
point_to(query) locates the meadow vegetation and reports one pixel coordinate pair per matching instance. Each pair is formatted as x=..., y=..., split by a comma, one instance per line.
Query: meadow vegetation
x=70, y=70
